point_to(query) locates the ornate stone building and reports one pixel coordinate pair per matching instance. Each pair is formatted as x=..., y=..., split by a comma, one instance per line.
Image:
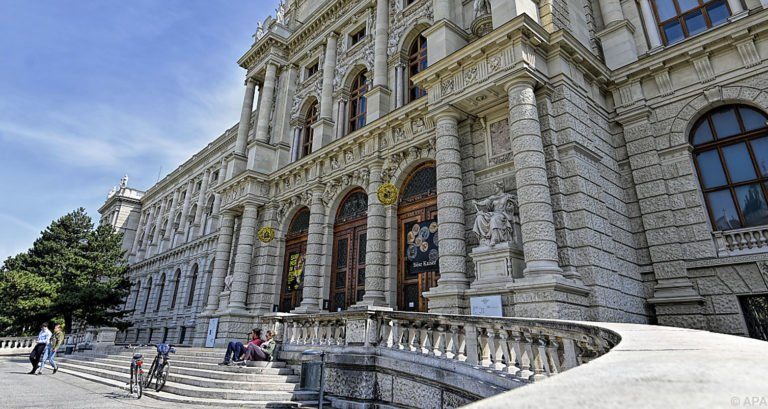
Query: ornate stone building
x=588, y=160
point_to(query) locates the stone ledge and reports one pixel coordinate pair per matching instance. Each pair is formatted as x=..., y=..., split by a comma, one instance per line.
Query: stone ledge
x=653, y=367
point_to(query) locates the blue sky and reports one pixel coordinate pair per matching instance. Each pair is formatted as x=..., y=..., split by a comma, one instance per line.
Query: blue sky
x=93, y=89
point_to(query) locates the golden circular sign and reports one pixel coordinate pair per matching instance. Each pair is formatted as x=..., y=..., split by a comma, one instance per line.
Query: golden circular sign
x=387, y=194
x=266, y=234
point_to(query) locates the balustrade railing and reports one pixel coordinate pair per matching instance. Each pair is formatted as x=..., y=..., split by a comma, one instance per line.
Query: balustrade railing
x=524, y=349
x=17, y=345
x=742, y=241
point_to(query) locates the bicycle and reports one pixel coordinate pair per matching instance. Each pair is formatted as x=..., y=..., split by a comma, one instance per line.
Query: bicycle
x=136, y=384
x=160, y=367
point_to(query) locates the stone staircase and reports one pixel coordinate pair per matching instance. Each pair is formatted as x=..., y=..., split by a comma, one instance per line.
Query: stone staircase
x=195, y=378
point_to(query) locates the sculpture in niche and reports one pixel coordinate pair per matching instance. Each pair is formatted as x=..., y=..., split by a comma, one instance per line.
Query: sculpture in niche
x=481, y=8
x=495, y=217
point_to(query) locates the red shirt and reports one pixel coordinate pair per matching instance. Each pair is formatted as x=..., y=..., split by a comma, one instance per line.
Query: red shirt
x=256, y=342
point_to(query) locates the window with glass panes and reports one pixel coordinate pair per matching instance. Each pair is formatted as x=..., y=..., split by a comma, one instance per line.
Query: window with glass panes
x=417, y=62
x=306, y=142
x=357, y=102
x=731, y=156
x=678, y=19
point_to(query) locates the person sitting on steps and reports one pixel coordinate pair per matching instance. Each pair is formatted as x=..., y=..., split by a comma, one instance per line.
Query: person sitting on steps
x=236, y=349
x=261, y=352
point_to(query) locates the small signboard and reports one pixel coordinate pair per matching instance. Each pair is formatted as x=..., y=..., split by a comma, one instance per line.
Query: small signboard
x=486, y=306
x=213, y=328
x=421, y=247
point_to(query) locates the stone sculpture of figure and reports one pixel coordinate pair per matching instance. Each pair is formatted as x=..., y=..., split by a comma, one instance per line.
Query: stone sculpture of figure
x=495, y=217
x=124, y=181
x=481, y=8
x=280, y=15
x=259, y=30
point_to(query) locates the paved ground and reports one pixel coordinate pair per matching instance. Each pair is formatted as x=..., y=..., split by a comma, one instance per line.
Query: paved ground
x=20, y=390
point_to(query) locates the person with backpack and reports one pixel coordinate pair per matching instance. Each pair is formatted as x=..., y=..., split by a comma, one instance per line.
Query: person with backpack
x=57, y=339
x=37, y=352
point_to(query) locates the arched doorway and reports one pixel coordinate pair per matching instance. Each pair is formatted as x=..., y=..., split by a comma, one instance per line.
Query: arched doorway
x=349, y=239
x=293, y=264
x=418, y=269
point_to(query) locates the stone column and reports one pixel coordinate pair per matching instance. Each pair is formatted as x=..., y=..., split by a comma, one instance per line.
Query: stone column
x=135, y=245
x=400, y=85
x=375, y=251
x=184, y=210
x=654, y=38
x=329, y=68
x=201, y=203
x=245, y=117
x=342, y=119
x=736, y=7
x=171, y=218
x=296, y=146
x=147, y=228
x=215, y=213
x=611, y=11
x=536, y=219
x=221, y=263
x=380, y=43
x=313, y=264
x=616, y=36
x=158, y=228
x=266, y=94
x=243, y=258
x=450, y=203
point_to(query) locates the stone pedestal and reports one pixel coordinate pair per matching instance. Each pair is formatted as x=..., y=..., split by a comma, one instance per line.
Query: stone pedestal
x=106, y=336
x=495, y=266
x=549, y=296
x=444, y=38
x=322, y=133
x=619, y=39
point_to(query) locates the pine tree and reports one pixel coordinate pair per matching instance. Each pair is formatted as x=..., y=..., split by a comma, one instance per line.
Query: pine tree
x=73, y=272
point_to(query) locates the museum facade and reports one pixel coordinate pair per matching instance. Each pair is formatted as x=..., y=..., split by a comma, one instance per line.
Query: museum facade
x=581, y=160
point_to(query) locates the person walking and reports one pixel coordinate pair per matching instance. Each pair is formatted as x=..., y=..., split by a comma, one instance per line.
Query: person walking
x=57, y=339
x=37, y=352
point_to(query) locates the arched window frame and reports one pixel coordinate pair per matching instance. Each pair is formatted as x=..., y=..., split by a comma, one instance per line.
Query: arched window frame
x=358, y=105
x=176, y=280
x=313, y=113
x=720, y=151
x=192, y=285
x=161, y=290
x=417, y=62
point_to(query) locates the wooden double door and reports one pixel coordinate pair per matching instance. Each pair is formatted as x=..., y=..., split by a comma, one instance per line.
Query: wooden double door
x=350, y=235
x=293, y=262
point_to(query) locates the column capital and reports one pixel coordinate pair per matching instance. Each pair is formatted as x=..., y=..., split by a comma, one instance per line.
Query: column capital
x=446, y=111
x=251, y=82
x=521, y=81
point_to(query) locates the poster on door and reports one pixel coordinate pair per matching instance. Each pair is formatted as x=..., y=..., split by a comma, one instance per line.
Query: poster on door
x=421, y=250
x=295, y=271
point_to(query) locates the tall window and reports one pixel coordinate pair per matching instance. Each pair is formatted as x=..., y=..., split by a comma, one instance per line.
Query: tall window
x=176, y=279
x=149, y=292
x=309, y=132
x=678, y=19
x=417, y=62
x=160, y=292
x=192, y=286
x=731, y=155
x=357, y=103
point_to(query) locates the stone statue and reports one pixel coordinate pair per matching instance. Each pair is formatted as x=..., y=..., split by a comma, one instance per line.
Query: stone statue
x=124, y=181
x=280, y=13
x=481, y=8
x=495, y=217
x=259, y=30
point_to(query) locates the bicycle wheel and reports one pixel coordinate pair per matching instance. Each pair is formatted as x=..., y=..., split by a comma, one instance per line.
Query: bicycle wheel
x=162, y=376
x=132, y=383
x=139, y=384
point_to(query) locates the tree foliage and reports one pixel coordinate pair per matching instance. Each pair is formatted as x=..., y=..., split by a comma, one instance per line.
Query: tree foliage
x=73, y=272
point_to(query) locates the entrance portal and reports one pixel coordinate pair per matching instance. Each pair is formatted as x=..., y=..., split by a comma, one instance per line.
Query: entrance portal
x=418, y=252
x=349, y=239
x=293, y=264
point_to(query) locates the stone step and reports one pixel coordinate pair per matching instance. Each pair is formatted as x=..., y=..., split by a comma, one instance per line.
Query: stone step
x=201, y=359
x=245, y=376
x=121, y=374
x=198, y=391
x=190, y=400
x=197, y=365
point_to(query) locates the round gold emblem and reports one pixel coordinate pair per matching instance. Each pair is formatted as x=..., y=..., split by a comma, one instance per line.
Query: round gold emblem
x=266, y=234
x=387, y=194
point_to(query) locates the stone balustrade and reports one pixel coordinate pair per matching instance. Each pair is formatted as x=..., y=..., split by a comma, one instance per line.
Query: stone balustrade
x=742, y=241
x=16, y=345
x=472, y=357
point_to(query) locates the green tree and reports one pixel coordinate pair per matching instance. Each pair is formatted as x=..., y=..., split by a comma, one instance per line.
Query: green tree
x=73, y=272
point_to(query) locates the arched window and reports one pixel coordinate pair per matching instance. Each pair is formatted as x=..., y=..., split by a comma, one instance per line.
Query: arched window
x=176, y=279
x=678, y=19
x=731, y=155
x=136, y=298
x=358, y=107
x=192, y=286
x=160, y=293
x=149, y=292
x=417, y=62
x=306, y=142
